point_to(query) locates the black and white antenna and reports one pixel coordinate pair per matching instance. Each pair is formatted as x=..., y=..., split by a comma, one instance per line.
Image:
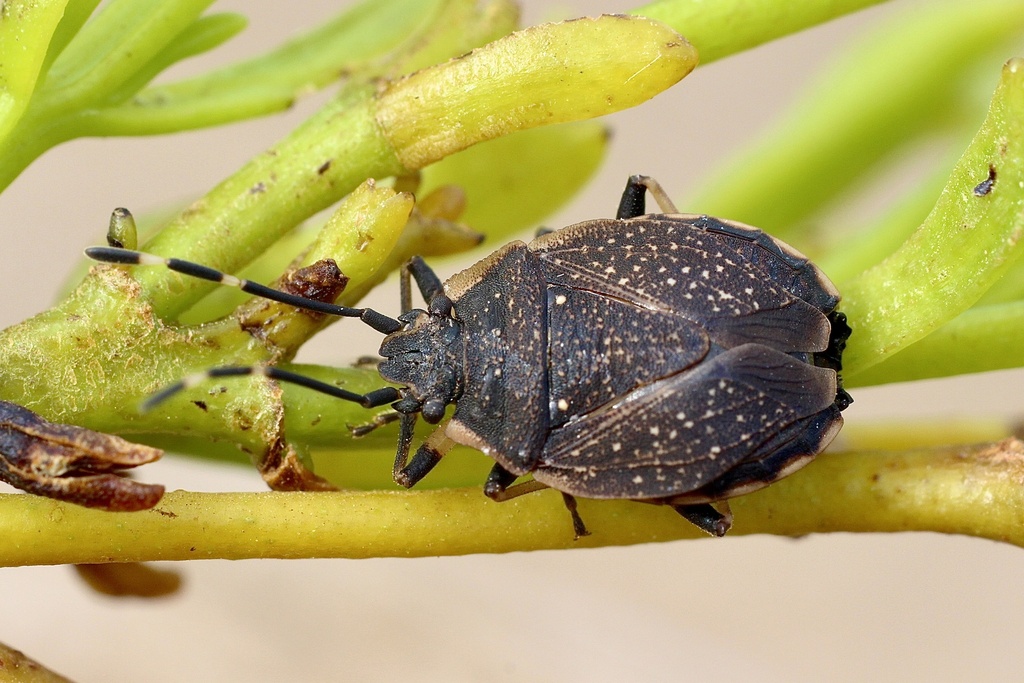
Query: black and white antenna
x=377, y=321
x=116, y=255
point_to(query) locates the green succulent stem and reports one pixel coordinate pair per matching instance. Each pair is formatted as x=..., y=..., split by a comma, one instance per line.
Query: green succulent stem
x=971, y=238
x=730, y=26
x=900, y=84
x=438, y=95
x=918, y=490
x=981, y=339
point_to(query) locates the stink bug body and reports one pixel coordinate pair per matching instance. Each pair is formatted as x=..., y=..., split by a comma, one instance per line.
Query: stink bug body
x=665, y=358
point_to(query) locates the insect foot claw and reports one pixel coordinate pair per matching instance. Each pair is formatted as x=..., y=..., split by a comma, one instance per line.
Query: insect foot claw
x=403, y=479
x=579, y=528
x=493, y=489
x=72, y=464
x=707, y=518
x=721, y=528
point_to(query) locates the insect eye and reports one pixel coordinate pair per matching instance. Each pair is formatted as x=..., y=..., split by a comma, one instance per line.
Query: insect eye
x=433, y=411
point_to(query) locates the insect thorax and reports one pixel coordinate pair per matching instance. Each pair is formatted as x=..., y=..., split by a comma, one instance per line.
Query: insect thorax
x=426, y=357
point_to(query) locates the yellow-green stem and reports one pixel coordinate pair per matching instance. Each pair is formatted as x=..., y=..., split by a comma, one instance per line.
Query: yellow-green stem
x=970, y=490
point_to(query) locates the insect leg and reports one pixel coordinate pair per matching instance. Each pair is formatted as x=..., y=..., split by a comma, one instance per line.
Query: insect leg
x=579, y=529
x=377, y=321
x=405, y=290
x=499, y=488
x=426, y=279
x=377, y=422
x=426, y=457
x=633, y=202
x=706, y=518
x=405, y=434
x=374, y=399
x=430, y=287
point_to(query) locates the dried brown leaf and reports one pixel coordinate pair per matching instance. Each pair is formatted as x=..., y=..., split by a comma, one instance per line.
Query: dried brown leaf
x=71, y=463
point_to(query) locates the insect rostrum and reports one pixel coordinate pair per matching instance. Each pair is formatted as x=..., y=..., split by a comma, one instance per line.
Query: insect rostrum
x=665, y=358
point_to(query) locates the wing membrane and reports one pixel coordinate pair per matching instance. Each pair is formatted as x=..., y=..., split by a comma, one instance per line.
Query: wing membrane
x=683, y=432
x=679, y=266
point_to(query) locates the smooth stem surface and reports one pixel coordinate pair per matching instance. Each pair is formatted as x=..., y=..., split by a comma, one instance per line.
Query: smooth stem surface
x=981, y=339
x=973, y=490
x=965, y=245
x=897, y=85
x=248, y=212
x=25, y=30
x=723, y=27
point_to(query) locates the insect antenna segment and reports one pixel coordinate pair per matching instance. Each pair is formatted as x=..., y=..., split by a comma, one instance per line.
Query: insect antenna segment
x=377, y=321
x=374, y=399
x=115, y=255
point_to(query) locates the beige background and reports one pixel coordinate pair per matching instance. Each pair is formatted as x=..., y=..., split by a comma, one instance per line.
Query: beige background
x=841, y=607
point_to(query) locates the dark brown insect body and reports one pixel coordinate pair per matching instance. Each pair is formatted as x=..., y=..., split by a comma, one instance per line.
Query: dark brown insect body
x=668, y=358
x=665, y=358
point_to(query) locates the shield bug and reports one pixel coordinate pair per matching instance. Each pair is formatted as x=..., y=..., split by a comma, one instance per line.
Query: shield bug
x=665, y=358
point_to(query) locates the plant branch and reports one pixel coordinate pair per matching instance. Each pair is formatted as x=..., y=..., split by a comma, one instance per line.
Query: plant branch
x=981, y=339
x=970, y=490
x=91, y=358
x=724, y=27
x=969, y=240
x=894, y=87
x=370, y=40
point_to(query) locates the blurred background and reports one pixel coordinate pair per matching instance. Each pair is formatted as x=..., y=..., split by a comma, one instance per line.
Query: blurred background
x=849, y=607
